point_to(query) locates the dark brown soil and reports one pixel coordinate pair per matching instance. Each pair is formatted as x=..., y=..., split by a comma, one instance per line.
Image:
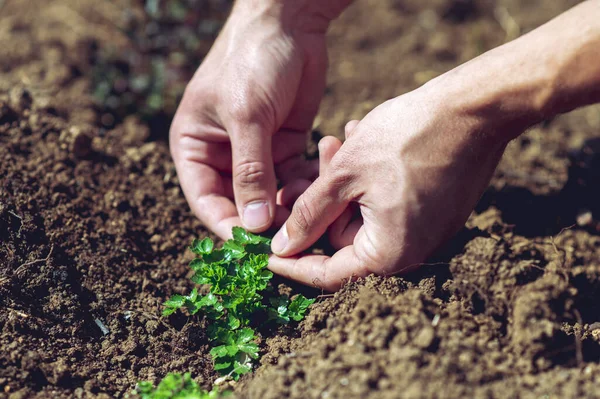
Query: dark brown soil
x=94, y=229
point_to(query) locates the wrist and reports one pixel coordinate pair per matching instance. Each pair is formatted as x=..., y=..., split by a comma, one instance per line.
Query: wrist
x=308, y=16
x=497, y=91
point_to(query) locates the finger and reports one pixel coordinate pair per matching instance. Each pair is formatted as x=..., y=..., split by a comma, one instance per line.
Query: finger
x=324, y=272
x=297, y=168
x=204, y=190
x=349, y=128
x=289, y=193
x=312, y=213
x=342, y=232
x=288, y=143
x=328, y=146
x=254, y=184
x=211, y=153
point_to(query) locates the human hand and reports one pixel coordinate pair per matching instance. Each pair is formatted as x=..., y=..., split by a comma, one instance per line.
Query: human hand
x=415, y=165
x=243, y=119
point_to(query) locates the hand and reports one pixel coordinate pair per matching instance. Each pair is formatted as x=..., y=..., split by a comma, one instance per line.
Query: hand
x=416, y=165
x=243, y=120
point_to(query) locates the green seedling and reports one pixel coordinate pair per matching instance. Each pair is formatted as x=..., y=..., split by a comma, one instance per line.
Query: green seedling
x=237, y=277
x=175, y=386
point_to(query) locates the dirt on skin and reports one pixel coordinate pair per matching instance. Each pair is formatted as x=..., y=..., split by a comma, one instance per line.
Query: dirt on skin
x=93, y=231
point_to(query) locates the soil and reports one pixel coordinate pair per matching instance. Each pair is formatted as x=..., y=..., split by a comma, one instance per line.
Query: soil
x=94, y=229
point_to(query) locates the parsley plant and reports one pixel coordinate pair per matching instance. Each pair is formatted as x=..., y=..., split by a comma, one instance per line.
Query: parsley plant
x=175, y=386
x=237, y=277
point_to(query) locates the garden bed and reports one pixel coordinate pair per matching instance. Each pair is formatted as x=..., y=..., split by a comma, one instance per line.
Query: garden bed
x=94, y=228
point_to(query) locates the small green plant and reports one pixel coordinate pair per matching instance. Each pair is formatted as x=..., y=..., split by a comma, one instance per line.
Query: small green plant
x=175, y=386
x=237, y=277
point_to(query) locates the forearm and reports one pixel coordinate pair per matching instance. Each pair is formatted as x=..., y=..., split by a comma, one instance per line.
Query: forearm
x=551, y=70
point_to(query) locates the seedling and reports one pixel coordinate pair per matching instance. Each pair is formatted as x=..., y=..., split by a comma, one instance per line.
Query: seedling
x=237, y=277
x=175, y=386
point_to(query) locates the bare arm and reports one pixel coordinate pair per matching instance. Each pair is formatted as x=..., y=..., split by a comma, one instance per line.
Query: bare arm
x=551, y=70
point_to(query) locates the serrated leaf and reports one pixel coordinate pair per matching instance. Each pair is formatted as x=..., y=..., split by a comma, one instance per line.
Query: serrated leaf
x=225, y=336
x=216, y=256
x=219, y=351
x=232, y=322
x=235, y=250
x=249, y=348
x=197, y=264
x=265, y=275
x=208, y=299
x=200, y=279
x=245, y=335
x=201, y=247
x=244, y=237
x=193, y=295
x=299, y=306
x=176, y=301
x=232, y=350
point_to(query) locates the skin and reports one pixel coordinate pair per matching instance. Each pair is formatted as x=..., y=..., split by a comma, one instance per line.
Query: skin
x=409, y=174
x=243, y=119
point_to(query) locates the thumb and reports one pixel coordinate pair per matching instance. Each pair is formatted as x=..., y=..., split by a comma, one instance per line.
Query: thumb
x=253, y=174
x=313, y=212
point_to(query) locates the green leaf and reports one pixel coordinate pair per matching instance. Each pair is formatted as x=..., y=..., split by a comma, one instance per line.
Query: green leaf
x=232, y=322
x=209, y=300
x=200, y=279
x=245, y=335
x=219, y=351
x=240, y=369
x=222, y=365
x=299, y=306
x=244, y=237
x=175, y=386
x=216, y=256
x=197, y=264
x=260, y=248
x=265, y=275
x=235, y=250
x=168, y=311
x=202, y=247
x=176, y=301
x=250, y=348
x=232, y=350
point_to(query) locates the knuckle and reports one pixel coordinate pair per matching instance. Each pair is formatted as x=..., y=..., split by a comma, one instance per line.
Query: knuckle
x=251, y=105
x=340, y=175
x=241, y=111
x=250, y=173
x=302, y=216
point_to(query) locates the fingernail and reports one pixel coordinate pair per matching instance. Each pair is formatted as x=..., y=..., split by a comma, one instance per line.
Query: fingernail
x=256, y=214
x=280, y=241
